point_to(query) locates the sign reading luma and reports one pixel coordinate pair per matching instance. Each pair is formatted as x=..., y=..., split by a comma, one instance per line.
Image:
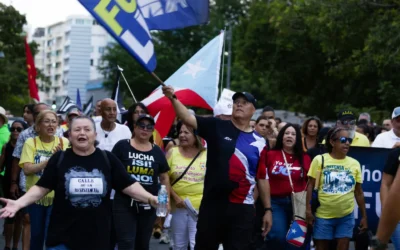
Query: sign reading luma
x=125, y=22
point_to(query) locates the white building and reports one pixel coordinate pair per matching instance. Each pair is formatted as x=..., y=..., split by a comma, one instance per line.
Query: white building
x=69, y=54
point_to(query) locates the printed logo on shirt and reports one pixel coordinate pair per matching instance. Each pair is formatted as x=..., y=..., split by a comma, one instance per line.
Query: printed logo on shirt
x=142, y=168
x=85, y=189
x=202, y=165
x=41, y=156
x=228, y=139
x=337, y=180
x=280, y=168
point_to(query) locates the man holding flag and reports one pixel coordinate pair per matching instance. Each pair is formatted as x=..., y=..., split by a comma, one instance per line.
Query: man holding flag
x=227, y=209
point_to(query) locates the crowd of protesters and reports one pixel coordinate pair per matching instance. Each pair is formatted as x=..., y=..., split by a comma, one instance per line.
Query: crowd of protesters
x=92, y=182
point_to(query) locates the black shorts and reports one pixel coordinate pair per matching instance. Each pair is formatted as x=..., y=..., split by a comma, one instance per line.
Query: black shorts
x=231, y=224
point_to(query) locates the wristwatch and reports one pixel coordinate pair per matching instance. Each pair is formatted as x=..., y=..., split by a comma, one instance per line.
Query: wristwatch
x=377, y=244
x=268, y=209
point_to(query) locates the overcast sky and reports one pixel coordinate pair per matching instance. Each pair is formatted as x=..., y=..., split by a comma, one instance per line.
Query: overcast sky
x=40, y=13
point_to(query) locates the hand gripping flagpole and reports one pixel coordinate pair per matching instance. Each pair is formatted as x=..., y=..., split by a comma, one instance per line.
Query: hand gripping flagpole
x=122, y=74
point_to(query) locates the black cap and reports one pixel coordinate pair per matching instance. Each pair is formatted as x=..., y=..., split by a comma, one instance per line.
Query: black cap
x=249, y=97
x=146, y=117
x=346, y=114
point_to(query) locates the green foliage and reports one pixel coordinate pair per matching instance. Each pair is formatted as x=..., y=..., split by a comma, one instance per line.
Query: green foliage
x=315, y=56
x=13, y=72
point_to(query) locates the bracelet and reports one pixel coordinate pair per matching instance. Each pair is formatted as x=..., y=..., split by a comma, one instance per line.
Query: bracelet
x=268, y=209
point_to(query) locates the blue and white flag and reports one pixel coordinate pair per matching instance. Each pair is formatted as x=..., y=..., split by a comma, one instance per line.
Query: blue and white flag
x=195, y=84
x=174, y=14
x=130, y=22
x=78, y=99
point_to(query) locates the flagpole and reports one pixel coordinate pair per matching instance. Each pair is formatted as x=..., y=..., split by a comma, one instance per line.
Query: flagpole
x=134, y=98
x=158, y=79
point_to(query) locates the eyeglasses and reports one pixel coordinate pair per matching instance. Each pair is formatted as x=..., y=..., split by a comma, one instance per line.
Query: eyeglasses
x=349, y=122
x=19, y=130
x=146, y=127
x=345, y=139
x=48, y=122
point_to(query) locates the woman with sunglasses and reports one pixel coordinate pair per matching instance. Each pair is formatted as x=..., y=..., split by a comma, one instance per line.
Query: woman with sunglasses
x=12, y=226
x=146, y=163
x=339, y=182
x=35, y=155
x=310, y=130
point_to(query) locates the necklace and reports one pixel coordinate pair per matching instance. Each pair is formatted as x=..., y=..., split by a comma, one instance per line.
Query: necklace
x=106, y=134
x=52, y=146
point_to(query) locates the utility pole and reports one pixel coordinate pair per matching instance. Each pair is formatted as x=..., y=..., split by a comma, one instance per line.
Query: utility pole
x=228, y=70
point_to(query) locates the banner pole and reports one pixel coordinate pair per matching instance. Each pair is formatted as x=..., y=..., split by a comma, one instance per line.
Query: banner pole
x=134, y=98
x=158, y=79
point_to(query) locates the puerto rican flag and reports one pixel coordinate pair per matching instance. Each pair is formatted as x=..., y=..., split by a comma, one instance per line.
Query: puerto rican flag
x=297, y=232
x=195, y=84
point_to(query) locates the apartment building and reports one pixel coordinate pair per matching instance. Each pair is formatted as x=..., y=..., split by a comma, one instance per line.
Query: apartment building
x=69, y=54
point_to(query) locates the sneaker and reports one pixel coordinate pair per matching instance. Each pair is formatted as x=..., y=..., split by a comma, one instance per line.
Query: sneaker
x=164, y=239
x=157, y=233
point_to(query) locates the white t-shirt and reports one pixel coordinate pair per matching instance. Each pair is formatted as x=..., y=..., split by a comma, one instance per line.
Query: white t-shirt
x=107, y=140
x=386, y=140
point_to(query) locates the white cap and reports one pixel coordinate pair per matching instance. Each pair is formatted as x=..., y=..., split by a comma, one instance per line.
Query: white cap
x=223, y=109
x=3, y=114
x=396, y=112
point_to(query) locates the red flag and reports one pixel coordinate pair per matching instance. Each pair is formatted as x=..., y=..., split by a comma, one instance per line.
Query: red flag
x=30, y=64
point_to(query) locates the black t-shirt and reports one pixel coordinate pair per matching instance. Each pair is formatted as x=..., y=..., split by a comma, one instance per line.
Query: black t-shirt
x=392, y=162
x=81, y=216
x=8, y=165
x=144, y=167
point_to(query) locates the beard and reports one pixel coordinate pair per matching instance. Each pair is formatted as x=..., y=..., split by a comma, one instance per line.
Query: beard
x=352, y=132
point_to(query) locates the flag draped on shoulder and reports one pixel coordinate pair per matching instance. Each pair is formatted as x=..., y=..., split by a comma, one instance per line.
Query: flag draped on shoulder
x=130, y=22
x=31, y=69
x=195, y=84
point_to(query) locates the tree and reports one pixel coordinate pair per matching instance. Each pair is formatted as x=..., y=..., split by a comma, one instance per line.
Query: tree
x=317, y=56
x=13, y=72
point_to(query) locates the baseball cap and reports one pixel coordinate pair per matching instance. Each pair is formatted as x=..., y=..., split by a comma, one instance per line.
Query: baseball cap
x=223, y=109
x=346, y=114
x=249, y=97
x=146, y=117
x=3, y=115
x=396, y=112
x=74, y=111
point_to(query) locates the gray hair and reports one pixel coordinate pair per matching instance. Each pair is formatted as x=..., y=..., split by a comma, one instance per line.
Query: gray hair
x=367, y=115
x=83, y=117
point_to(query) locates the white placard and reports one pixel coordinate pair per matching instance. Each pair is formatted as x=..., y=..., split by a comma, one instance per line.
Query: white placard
x=86, y=186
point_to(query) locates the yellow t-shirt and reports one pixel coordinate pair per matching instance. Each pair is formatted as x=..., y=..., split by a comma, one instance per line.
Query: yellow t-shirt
x=37, y=154
x=336, y=185
x=192, y=184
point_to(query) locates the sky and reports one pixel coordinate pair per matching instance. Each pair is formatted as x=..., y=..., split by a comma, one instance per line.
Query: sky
x=41, y=13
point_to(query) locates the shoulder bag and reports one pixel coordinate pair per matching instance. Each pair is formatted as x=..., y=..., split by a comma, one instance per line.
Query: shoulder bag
x=187, y=168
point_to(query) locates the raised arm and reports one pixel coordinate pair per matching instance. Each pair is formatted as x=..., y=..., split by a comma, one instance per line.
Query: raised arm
x=180, y=110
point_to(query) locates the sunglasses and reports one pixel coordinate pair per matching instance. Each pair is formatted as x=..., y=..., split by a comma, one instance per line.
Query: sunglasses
x=345, y=139
x=145, y=127
x=16, y=129
x=347, y=122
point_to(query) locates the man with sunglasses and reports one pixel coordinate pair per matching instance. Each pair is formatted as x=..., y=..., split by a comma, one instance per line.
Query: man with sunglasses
x=347, y=120
x=227, y=209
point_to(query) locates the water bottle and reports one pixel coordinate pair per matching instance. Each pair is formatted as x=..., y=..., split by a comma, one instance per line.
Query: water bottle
x=162, y=208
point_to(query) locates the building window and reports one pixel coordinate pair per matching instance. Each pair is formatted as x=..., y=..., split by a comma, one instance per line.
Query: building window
x=95, y=22
x=91, y=62
x=66, y=62
x=66, y=49
x=101, y=50
x=58, y=52
x=80, y=21
x=67, y=35
x=99, y=62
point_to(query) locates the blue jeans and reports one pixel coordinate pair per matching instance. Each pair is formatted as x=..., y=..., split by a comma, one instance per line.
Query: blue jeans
x=59, y=247
x=281, y=218
x=396, y=237
x=40, y=218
